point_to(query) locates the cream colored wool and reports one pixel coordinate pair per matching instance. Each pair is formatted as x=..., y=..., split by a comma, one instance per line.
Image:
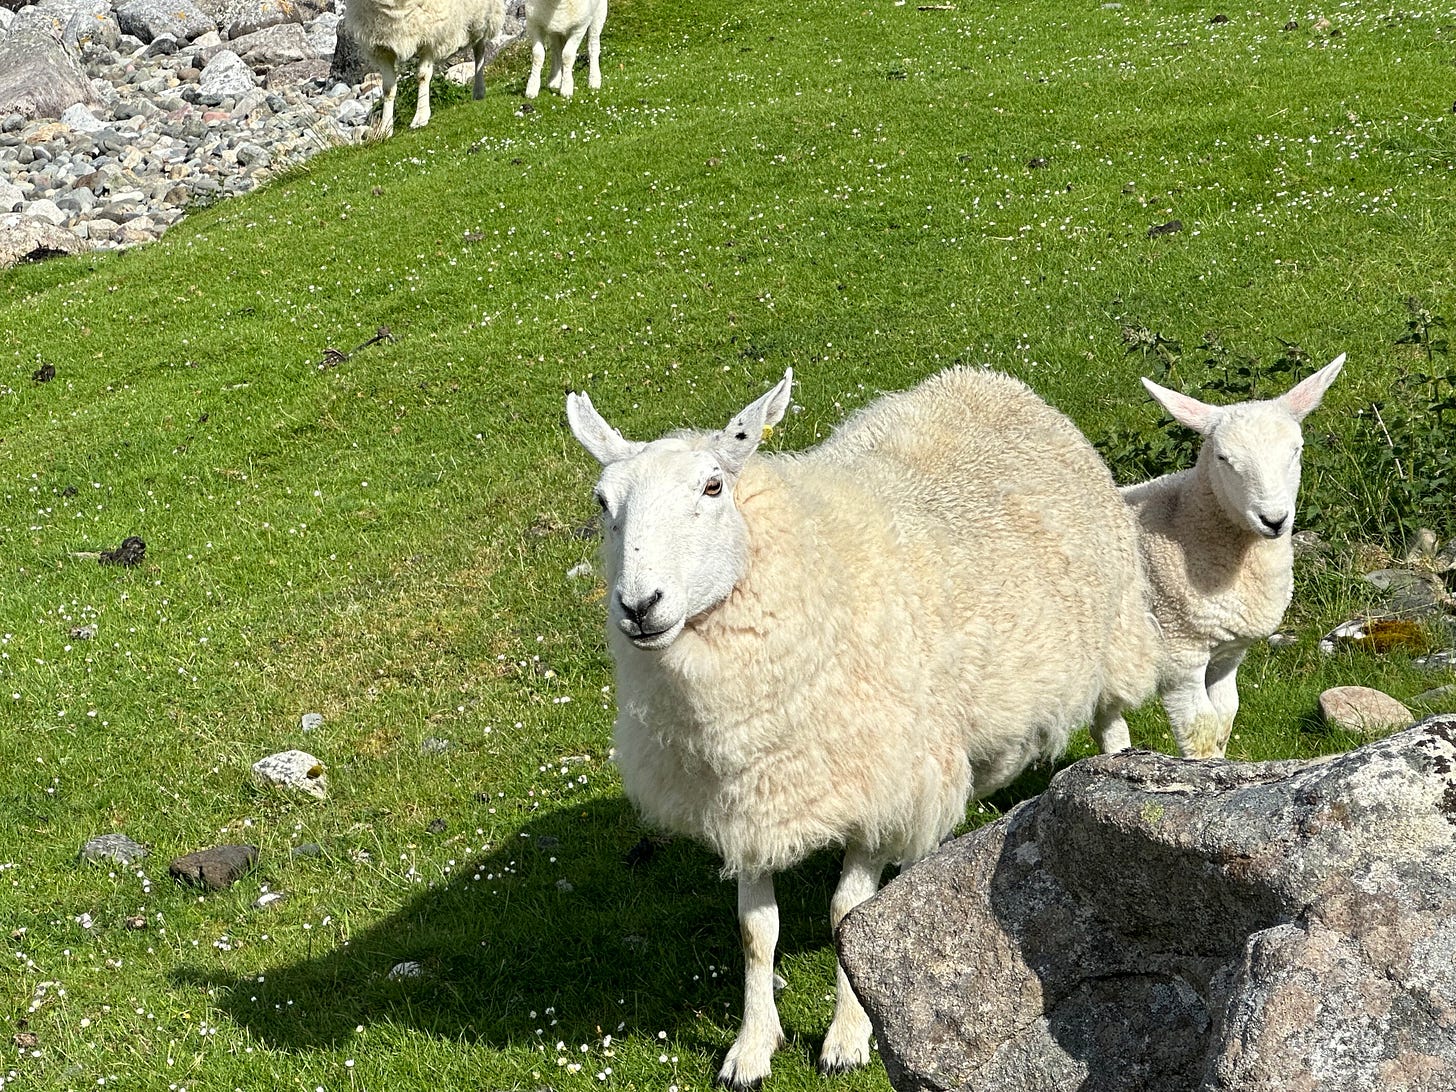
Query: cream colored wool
x=557, y=27
x=914, y=612
x=1216, y=540
x=391, y=32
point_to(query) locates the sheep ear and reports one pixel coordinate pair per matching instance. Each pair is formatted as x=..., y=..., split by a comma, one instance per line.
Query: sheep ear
x=745, y=432
x=1185, y=409
x=604, y=443
x=1307, y=393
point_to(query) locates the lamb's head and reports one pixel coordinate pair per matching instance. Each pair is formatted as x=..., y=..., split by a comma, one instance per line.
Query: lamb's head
x=1251, y=450
x=673, y=541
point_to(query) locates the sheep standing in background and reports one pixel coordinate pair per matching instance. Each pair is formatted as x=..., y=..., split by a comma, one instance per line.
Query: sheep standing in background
x=561, y=25
x=841, y=647
x=1216, y=542
x=390, y=32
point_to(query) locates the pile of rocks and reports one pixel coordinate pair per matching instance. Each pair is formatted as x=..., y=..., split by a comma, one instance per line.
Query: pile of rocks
x=115, y=115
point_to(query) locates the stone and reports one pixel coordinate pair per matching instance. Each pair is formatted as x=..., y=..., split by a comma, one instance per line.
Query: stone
x=117, y=848
x=288, y=75
x=1440, y=695
x=93, y=27
x=146, y=20
x=81, y=119
x=408, y=969
x=310, y=721
x=28, y=239
x=296, y=770
x=274, y=45
x=1149, y=923
x=217, y=868
x=225, y=74
x=47, y=210
x=323, y=34
x=38, y=78
x=11, y=196
x=349, y=64
x=305, y=850
x=237, y=18
x=1408, y=591
x=1362, y=709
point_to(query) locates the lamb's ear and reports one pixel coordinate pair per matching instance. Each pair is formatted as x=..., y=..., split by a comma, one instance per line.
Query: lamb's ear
x=1307, y=393
x=1185, y=409
x=604, y=443
x=746, y=431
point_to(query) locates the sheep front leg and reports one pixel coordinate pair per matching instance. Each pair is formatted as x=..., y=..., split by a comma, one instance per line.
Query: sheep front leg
x=1109, y=730
x=847, y=1045
x=747, y=1063
x=477, y=47
x=422, y=111
x=538, y=58
x=1195, y=721
x=390, y=82
x=1221, y=682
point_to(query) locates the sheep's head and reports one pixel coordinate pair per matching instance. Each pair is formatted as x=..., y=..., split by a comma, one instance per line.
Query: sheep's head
x=1251, y=450
x=674, y=543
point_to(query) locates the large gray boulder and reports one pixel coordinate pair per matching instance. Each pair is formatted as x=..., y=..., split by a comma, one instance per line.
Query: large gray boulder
x=150, y=19
x=34, y=238
x=38, y=78
x=1152, y=923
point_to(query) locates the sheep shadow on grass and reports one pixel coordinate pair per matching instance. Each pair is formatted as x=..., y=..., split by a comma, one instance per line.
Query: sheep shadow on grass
x=615, y=930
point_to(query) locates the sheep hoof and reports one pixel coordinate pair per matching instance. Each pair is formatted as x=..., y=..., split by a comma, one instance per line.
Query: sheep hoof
x=735, y=1085
x=837, y=1067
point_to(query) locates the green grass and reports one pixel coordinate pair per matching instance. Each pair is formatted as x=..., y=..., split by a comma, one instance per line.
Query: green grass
x=843, y=189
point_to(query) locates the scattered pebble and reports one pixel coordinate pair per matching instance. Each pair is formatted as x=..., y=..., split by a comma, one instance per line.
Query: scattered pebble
x=408, y=969
x=293, y=770
x=309, y=721
x=113, y=847
x=216, y=868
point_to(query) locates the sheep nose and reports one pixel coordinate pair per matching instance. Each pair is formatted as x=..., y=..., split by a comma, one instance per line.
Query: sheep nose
x=1275, y=525
x=634, y=612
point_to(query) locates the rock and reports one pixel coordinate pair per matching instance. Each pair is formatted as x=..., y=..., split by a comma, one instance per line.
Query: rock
x=305, y=850
x=408, y=969
x=275, y=45
x=287, y=75
x=1440, y=695
x=27, y=239
x=1422, y=548
x=1150, y=923
x=47, y=210
x=1441, y=660
x=433, y=746
x=310, y=721
x=38, y=78
x=349, y=65
x=216, y=868
x=81, y=119
x=293, y=770
x=113, y=847
x=1362, y=709
x=1409, y=592
x=226, y=74
x=149, y=19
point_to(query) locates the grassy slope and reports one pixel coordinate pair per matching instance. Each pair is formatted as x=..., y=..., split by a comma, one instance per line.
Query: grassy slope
x=843, y=189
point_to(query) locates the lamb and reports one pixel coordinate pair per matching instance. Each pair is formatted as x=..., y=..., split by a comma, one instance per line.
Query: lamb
x=392, y=31
x=842, y=647
x=1216, y=544
x=561, y=24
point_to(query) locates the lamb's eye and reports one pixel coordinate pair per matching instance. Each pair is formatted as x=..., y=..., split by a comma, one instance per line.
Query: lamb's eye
x=713, y=488
x=601, y=501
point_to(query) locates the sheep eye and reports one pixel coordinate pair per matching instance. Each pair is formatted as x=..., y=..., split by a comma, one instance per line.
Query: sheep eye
x=601, y=501
x=713, y=488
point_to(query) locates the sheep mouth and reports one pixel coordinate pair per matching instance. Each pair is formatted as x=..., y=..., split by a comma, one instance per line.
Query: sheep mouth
x=655, y=640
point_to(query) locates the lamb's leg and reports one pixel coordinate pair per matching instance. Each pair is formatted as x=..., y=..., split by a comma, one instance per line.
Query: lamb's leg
x=568, y=61
x=557, y=40
x=386, y=105
x=1109, y=730
x=477, y=47
x=847, y=1045
x=422, y=111
x=538, y=58
x=747, y=1063
x=1222, y=684
x=1191, y=711
x=594, y=47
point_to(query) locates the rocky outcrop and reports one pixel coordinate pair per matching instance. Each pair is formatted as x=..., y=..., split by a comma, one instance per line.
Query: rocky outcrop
x=1152, y=923
x=38, y=77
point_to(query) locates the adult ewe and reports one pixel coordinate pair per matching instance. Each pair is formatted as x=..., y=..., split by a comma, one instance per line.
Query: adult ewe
x=1216, y=542
x=392, y=31
x=560, y=26
x=841, y=647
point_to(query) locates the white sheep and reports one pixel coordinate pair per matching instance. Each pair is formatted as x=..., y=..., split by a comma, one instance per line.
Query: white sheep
x=390, y=32
x=841, y=647
x=1216, y=542
x=560, y=26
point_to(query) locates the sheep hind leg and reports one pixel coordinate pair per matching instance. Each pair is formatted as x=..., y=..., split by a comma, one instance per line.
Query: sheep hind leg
x=1109, y=730
x=594, y=48
x=568, y=61
x=1221, y=682
x=747, y=1063
x=557, y=41
x=847, y=1044
x=422, y=110
x=390, y=83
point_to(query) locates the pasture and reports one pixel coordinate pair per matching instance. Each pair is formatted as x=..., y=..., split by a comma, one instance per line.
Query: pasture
x=381, y=530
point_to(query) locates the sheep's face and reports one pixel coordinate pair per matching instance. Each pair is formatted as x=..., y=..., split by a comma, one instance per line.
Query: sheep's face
x=673, y=541
x=1253, y=456
x=1251, y=451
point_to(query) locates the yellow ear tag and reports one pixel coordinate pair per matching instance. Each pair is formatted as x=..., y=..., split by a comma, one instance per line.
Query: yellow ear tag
x=767, y=431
